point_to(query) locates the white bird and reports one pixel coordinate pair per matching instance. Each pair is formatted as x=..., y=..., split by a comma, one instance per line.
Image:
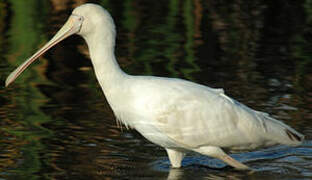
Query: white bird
x=175, y=114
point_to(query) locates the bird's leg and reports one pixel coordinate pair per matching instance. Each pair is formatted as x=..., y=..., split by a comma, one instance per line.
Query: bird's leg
x=218, y=153
x=175, y=157
x=232, y=162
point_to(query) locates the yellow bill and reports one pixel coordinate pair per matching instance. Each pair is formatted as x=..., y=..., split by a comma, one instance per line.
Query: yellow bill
x=72, y=26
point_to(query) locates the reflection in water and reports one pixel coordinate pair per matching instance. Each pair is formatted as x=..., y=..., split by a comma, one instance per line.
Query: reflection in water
x=55, y=121
x=175, y=174
x=178, y=174
x=22, y=117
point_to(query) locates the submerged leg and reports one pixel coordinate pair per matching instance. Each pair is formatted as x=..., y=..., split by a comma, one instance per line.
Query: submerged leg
x=175, y=157
x=218, y=153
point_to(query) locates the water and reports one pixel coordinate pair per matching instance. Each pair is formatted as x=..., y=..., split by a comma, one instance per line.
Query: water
x=55, y=121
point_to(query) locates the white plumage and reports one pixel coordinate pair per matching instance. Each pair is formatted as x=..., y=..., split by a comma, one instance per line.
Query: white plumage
x=176, y=114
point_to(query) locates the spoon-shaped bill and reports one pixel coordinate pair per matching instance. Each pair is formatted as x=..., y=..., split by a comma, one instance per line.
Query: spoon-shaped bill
x=72, y=26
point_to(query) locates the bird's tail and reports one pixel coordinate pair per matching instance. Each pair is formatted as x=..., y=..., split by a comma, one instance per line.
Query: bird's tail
x=280, y=132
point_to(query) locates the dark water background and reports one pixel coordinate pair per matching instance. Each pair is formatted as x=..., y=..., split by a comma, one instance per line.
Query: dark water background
x=56, y=124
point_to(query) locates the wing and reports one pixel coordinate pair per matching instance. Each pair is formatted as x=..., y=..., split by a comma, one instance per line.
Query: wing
x=193, y=115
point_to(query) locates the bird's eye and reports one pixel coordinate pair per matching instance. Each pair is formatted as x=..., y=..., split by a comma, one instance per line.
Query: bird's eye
x=80, y=18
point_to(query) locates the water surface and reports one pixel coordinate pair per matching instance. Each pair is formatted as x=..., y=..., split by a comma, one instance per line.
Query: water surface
x=56, y=124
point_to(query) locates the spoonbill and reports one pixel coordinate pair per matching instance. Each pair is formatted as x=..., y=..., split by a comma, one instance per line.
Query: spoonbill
x=176, y=114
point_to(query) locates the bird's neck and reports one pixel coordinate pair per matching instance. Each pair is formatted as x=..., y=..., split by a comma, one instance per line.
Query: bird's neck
x=102, y=55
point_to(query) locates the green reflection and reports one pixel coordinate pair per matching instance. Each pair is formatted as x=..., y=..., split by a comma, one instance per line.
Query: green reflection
x=171, y=52
x=151, y=40
x=302, y=51
x=25, y=37
x=3, y=15
x=189, y=44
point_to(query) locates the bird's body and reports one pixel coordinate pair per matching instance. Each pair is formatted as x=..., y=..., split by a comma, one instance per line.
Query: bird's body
x=180, y=114
x=176, y=114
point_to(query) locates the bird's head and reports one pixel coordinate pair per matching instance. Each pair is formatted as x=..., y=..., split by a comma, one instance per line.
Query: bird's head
x=93, y=17
x=84, y=21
